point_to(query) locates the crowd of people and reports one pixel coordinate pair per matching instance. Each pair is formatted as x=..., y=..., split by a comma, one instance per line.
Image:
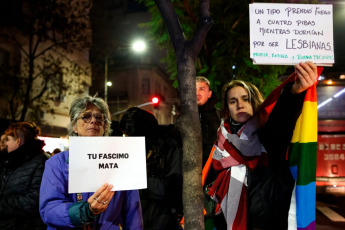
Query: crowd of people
x=244, y=147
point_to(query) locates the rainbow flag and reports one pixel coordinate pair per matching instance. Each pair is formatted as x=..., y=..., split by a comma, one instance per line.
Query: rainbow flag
x=302, y=160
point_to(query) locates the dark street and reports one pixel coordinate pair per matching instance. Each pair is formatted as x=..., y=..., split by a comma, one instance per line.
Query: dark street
x=330, y=212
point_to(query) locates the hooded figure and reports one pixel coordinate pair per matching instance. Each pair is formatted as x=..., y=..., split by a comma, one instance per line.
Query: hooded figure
x=161, y=202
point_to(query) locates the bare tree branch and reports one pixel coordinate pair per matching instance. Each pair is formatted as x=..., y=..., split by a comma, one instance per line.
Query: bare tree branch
x=171, y=21
x=40, y=94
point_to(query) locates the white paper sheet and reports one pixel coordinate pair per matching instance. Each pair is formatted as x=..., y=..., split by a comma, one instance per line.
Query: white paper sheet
x=93, y=161
x=287, y=34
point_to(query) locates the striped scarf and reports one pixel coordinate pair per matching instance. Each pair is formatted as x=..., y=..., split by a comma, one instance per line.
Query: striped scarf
x=235, y=151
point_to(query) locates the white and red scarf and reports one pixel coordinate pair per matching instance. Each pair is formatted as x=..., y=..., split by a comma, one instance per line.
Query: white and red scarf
x=233, y=154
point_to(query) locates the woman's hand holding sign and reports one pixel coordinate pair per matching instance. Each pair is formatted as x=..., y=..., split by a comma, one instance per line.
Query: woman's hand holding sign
x=306, y=76
x=99, y=201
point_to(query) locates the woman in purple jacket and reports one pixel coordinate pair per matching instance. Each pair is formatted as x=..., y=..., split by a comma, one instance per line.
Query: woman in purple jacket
x=104, y=209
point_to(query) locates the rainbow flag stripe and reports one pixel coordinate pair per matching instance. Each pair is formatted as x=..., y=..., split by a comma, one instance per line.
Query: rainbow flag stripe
x=302, y=160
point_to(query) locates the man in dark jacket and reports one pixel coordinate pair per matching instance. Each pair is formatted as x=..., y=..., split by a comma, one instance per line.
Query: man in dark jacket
x=209, y=121
x=208, y=115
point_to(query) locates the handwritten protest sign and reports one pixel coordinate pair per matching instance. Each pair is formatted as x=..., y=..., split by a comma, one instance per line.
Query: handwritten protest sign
x=93, y=161
x=286, y=34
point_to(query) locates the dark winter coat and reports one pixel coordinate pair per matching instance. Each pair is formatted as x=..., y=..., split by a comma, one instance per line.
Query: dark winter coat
x=209, y=121
x=270, y=188
x=161, y=202
x=20, y=183
x=3, y=155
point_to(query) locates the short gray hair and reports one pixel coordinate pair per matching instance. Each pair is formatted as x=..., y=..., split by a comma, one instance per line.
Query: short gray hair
x=80, y=104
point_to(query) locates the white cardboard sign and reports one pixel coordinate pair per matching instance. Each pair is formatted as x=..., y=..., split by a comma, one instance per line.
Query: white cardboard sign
x=93, y=161
x=287, y=34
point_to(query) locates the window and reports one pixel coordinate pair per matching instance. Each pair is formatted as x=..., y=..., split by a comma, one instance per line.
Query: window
x=145, y=86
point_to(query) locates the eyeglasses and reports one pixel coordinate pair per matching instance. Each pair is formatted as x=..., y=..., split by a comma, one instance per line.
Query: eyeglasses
x=87, y=117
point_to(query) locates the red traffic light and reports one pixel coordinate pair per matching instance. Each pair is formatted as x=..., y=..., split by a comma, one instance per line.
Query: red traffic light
x=155, y=100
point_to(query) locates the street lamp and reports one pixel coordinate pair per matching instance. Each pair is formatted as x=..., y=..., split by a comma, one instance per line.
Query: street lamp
x=139, y=46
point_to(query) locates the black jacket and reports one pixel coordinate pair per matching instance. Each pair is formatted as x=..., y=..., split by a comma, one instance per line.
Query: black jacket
x=161, y=202
x=270, y=188
x=20, y=182
x=210, y=122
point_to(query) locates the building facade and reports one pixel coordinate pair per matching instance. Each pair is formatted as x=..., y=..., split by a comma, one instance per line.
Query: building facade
x=135, y=77
x=43, y=66
x=135, y=85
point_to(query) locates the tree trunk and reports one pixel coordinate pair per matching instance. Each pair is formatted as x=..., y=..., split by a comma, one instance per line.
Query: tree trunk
x=189, y=126
x=188, y=122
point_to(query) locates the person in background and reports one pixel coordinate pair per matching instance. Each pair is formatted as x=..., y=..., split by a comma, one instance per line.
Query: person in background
x=104, y=209
x=3, y=142
x=208, y=115
x=3, y=149
x=47, y=154
x=55, y=151
x=209, y=121
x=162, y=200
x=115, y=127
x=254, y=185
x=21, y=175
